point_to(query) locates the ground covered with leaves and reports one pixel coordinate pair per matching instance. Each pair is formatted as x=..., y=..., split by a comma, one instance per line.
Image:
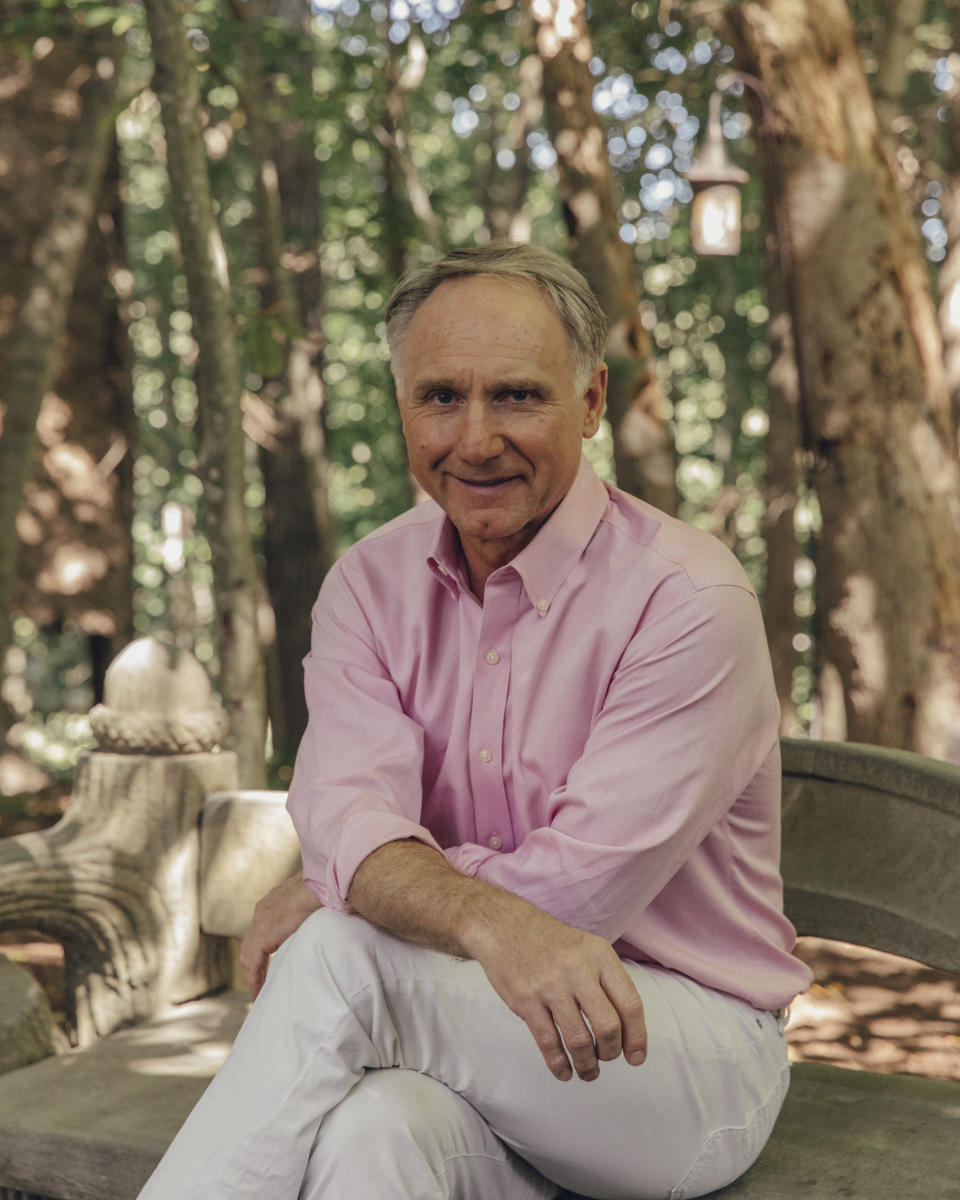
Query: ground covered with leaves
x=875, y=1012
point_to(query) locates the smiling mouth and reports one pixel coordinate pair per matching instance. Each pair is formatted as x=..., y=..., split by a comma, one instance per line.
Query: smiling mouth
x=486, y=484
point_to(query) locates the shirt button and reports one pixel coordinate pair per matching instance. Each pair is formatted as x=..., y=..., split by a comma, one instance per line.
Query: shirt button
x=543, y=604
x=492, y=657
x=486, y=755
x=495, y=842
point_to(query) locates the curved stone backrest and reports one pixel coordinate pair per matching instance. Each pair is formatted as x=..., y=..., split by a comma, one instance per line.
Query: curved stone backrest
x=247, y=846
x=871, y=848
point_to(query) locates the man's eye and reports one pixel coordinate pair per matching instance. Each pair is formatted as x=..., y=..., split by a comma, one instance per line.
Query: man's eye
x=443, y=399
x=520, y=395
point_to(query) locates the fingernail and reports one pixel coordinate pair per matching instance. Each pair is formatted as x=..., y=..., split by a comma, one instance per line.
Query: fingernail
x=636, y=1057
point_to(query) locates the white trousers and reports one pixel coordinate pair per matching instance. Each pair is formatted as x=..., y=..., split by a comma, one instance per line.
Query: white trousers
x=370, y=1069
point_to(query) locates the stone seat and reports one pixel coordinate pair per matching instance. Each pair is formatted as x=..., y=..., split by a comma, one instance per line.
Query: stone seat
x=869, y=856
x=92, y=1124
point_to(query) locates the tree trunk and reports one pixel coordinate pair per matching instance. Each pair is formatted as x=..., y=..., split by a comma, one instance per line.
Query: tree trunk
x=76, y=546
x=893, y=66
x=407, y=205
x=949, y=277
x=57, y=131
x=299, y=538
x=506, y=192
x=873, y=400
x=643, y=447
x=403, y=180
x=781, y=484
x=218, y=390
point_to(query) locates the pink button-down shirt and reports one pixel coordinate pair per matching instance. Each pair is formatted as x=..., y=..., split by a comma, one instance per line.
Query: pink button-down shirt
x=599, y=736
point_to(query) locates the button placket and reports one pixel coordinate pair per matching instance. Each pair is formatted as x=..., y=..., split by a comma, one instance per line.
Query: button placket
x=491, y=683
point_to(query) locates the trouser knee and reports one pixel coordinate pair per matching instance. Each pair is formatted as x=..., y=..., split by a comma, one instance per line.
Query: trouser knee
x=337, y=938
x=389, y=1107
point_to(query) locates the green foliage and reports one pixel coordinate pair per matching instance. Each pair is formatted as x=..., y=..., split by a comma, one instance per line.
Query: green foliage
x=460, y=119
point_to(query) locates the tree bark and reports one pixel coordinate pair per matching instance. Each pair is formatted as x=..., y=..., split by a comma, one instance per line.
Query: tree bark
x=893, y=63
x=873, y=400
x=403, y=180
x=218, y=390
x=506, y=192
x=780, y=488
x=75, y=522
x=299, y=538
x=643, y=447
x=57, y=134
x=949, y=277
x=407, y=204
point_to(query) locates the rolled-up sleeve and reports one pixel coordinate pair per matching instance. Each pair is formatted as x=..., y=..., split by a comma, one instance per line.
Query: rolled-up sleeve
x=357, y=780
x=689, y=719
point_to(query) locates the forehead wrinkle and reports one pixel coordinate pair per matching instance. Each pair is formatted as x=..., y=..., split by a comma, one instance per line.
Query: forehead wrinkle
x=462, y=327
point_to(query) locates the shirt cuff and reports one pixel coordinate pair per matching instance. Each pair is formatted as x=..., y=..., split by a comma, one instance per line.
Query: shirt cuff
x=362, y=833
x=468, y=858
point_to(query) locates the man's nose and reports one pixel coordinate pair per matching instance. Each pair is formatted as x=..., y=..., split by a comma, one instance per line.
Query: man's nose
x=479, y=436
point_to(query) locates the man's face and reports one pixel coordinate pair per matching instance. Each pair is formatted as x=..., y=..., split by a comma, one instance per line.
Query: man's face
x=491, y=417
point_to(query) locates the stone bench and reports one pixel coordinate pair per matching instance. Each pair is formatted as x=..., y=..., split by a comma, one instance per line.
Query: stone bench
x=161, y=842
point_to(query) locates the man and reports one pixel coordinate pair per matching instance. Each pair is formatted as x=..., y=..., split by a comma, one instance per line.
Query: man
x=538, y=800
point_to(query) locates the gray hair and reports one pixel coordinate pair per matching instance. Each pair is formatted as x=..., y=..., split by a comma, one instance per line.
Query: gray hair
x=563, y=285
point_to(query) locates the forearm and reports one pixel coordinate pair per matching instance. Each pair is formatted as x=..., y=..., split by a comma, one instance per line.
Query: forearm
x=568, y=986
x=411, y=891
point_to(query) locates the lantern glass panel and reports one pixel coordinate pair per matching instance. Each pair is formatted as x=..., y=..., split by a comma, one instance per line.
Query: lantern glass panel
x=715, y=220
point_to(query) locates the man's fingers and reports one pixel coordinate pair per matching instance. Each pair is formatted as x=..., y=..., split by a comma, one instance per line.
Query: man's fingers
x=579, y=1040
x=545, y=1034
x=607, y=1032
x=253, y=963
x=633, y=1027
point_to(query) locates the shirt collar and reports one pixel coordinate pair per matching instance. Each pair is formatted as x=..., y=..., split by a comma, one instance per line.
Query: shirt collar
x=445, y=559
x=547, y=561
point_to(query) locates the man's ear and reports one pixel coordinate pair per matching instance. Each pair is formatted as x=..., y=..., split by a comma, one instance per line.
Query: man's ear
x=594, y=397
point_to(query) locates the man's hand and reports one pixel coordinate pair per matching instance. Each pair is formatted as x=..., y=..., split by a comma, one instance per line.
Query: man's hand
x=281, y=912
x=568, y=986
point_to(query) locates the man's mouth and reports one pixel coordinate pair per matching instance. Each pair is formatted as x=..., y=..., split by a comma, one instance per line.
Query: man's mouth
x=486, y=484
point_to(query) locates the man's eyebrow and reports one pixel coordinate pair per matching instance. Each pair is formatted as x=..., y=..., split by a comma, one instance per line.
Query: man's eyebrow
x=438, y=383
x=518, y=383
x=507, y=383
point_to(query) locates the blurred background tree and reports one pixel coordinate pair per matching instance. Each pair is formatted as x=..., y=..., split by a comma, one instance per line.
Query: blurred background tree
x=351, y=140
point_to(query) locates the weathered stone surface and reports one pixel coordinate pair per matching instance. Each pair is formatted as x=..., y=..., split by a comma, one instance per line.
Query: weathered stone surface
x=27, y=1030
x=115, y=881
x=92, y=1124
x=870, y=840
x=859, y=1136
x=157, y=700
x=247, y=845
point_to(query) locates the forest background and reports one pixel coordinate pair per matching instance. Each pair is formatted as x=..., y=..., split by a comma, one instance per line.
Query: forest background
x=203, y=209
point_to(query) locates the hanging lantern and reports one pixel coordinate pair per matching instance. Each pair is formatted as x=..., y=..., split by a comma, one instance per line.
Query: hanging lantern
x=716, y=183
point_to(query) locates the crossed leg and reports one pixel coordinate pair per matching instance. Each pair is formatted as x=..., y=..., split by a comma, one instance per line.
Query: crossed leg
x=344, y=1003
x=399, y=1133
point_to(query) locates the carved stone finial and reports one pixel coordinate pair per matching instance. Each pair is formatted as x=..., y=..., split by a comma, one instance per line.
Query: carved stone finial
x=158, y=700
